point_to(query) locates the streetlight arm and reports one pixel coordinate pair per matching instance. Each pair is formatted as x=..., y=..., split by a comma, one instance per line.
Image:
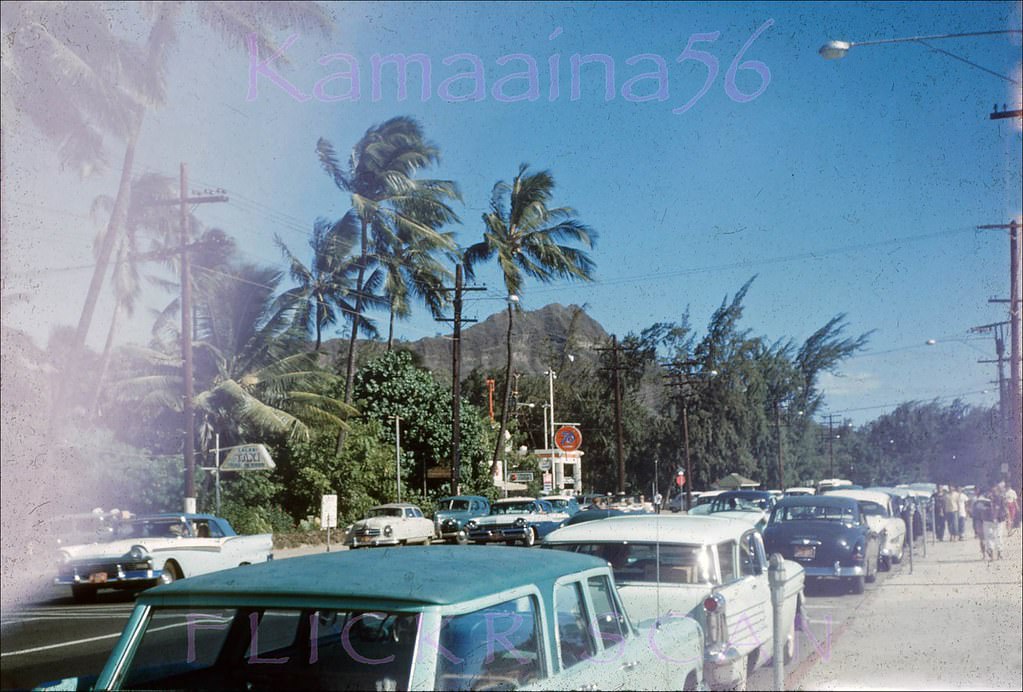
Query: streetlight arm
x=833, y=50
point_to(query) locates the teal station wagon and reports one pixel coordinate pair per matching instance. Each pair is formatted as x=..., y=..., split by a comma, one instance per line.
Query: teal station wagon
x=446, y=617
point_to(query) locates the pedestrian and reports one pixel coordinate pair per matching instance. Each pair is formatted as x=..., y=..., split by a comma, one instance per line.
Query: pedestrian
x=993, y=515
x=1012, y=509
x=981, y=511
x=939, y=512
x=657, y=502
x=952, y=513
x=961, y=514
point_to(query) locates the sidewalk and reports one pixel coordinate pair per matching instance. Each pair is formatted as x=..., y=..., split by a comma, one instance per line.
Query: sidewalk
x=956, y=623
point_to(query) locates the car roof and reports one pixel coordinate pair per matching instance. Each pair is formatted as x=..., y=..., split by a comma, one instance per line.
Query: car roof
x=173, y=515
x=829, y=500
x=463, y=497
x=514, y=499
x=652, y=528
x=395, y=505
x=398, y=578
x=745, y=493
x=877, y=496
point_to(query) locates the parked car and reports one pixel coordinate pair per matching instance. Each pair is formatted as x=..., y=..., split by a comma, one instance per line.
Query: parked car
x=398, y=523
x=753, y=506
x=829, y=535
x=563, y=503
x=799, y=491
x=516, y=519
x=713, y=570
x=452, y=513
x=882, y=517
x=446, y=617
x=159, y=548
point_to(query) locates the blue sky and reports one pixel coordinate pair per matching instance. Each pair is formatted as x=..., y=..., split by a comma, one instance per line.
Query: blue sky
x=850, y=186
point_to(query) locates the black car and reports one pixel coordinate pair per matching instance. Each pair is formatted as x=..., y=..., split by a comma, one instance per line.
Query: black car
x=828, y=535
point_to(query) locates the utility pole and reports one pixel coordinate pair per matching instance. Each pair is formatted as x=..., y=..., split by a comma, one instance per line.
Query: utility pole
x=684, y=380
x=1015, y=408
x=456, y=384
x=397, y=453
x=831, y=445
x=490, y=396
x=188, y=403
x=615, y=369
x=781, y=455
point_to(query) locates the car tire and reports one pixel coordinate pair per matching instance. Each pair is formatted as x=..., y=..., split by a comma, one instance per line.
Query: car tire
x=530, y=539
x=902, y=552
x=790, y=643
x=169, y=574
x=871, y=577
x=83, y=594
x=461, y=538
x=857, y=585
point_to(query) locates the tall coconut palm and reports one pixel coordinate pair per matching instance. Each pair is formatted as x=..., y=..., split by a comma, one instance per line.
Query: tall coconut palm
x=327, y=283
x=413, y=270
x=77, y=79
x=388, y=201
x=529, y=238
x=253, y=379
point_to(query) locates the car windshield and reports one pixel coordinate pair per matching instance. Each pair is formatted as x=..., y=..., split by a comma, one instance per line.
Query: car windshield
x=651, y=562
x=153, y=528
x=559, y=504
x=512, y=508
x=385, y=512
x=872, y=509
x=843, y=514
x=740, y=504
x=454, y=505
x=222, y=648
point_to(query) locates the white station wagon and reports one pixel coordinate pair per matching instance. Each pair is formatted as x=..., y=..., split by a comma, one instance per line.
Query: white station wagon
x=880, y=515
x=709, y=569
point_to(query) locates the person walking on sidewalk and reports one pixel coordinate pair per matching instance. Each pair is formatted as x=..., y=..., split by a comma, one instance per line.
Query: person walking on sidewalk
x=952, y=513
x=939, y=512
x=981, y=511
x=961, y=513
x=1012, y=509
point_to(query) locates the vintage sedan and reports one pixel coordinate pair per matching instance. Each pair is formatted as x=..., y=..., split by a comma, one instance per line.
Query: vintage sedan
x=829, y=535
x=879, y=509
x=452, y=514
x=516, y=519
x=398, y=523
x=753, y=506
x=445, y=618
x=157, y=549
x=708, y=569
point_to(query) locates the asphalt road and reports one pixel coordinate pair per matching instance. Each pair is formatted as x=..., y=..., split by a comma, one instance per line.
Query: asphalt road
x=53, y=637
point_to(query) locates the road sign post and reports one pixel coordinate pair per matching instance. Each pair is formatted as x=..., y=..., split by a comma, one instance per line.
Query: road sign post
x=328, y=515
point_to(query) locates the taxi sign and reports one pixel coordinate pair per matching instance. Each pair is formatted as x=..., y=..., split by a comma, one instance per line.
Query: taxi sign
x=248, y=458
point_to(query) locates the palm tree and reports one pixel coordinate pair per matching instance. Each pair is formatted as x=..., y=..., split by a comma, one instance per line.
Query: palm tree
x=388, y=202
x=253, y=381
x=76, y=79
x=528, y=237
x=413, y=271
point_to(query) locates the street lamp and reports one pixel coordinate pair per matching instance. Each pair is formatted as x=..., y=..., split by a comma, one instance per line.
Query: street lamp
x=835, y=50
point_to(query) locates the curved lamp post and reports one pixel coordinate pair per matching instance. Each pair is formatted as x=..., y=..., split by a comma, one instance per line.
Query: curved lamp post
x=835, y=50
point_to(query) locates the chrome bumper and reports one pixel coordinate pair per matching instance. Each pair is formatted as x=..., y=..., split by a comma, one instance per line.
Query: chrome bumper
x=511, y=533
x=722, y=667
x=113, y=577
x=835, y=571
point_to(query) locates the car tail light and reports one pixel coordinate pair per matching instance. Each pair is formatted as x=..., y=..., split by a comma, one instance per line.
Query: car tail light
x=710, y=604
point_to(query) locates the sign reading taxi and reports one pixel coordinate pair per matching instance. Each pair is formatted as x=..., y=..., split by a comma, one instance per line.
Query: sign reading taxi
x=568, y=438
x=248, y=458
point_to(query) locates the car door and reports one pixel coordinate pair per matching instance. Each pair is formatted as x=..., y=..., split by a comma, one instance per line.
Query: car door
x=747, y=594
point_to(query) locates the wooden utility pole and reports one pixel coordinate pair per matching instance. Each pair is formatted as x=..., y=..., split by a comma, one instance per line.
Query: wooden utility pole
x=188, y=405
x=1015, y=408
x=456, y=383
x=616, y=368
x=684, y=379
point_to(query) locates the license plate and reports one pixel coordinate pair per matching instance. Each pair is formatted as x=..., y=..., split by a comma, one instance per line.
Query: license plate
x=804, y=551
x=98, y=578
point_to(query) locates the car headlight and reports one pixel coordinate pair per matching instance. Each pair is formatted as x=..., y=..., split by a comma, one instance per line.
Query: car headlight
x=138, y=553
x=520, y=522
x=471, y=524
x=388, y=530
